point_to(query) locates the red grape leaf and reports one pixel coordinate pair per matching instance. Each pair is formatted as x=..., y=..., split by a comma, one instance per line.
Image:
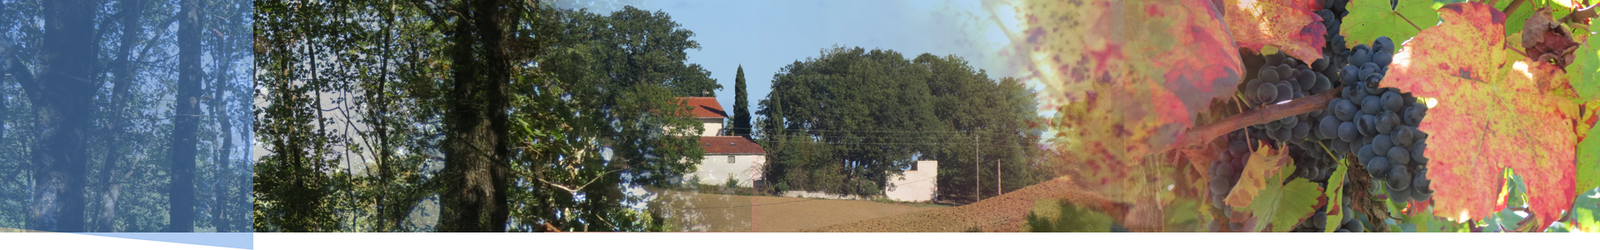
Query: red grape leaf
x=1493, y=111
x=1126, y=77
x=1289, y=25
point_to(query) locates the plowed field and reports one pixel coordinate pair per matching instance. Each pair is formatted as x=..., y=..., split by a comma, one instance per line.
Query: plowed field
x=737, y=213
x=1005, y=213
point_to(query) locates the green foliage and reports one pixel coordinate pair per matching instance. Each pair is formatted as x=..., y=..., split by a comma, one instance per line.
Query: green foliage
x=1067, y=217
x=741, y=105
x=1283, y=204
x=589, y=111
x=867, y=114
x=121, y=115
x=1370, y=19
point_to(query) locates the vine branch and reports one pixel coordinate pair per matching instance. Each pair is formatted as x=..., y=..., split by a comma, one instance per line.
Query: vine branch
x=1579, y=14
x=1196, y=138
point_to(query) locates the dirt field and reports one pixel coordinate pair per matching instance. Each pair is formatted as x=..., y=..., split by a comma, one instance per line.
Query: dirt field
x=1005, y=213
x=736, y=213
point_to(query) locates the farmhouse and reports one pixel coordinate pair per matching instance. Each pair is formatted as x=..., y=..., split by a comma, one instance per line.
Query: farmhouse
x=726, y=157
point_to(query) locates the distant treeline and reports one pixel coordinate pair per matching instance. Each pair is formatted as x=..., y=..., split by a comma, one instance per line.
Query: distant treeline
x=850, y=119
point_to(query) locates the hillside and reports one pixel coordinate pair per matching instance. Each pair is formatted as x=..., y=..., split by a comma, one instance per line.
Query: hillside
x=1005, y=213
x=699, y=212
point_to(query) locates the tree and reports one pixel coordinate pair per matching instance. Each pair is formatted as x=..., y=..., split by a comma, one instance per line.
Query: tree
x=879, y=112
x=475, y=152
x=422, y=86
x=186, y=119
x=741, y=105
x=61, y=100
x=97, y=80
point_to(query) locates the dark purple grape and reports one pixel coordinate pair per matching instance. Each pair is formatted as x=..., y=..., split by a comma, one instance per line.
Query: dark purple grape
x=1415, y=113
x=1403, y=135
x=1265, y=93
x=1399, y=178
x=1365, y=154
x=1381, y=145
x=1302, y=130
x=1328, y=127
x=1417, y=148
x=1387, y=121
x=1360, y=55
x=1308, y=79
x=1275, y=59
x=1383, y=58
x=1285, y=92
x=1347, y=132
x=1339, y=147
x=1238, y=147
x=1379, y=166
x=1365, y=125
x=1398, y=156
x=1344, y=109
x=1322, y=84
x=1371, y=105
x=1269, y=75
x=1392, y=101
x=1349, y=74
x=1384, y=44
x=1399, y=195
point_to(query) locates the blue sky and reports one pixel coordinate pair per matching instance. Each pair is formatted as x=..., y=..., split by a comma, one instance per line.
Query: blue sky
x=765, y=36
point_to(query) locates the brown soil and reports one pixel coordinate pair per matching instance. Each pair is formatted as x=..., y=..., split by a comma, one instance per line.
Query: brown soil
x=689, y=211
x=1005, y=213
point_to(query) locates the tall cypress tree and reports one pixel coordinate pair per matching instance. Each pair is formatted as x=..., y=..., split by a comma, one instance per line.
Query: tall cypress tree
x=741, y=106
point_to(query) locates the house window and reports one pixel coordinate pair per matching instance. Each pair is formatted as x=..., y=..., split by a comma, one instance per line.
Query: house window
x=730, y=159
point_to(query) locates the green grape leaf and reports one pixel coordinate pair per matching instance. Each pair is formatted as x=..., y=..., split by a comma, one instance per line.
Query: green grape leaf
x=1584, y=72
x=1263, y=164
x=1586, y=211
x=1289, y=25
x=1491, y=112
x=1335, y=199
x=1284, y=205
x=1370, y=19
x=1589, y=162
x=1126, y=78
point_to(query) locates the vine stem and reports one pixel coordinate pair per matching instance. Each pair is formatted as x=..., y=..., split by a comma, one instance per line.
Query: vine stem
x=1408, y=20
x=1193, y=142
x=1584, y=13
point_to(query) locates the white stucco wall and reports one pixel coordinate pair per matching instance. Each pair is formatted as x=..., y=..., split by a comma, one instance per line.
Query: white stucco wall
x=715, y=168
x=915, y=185
x=712, y=126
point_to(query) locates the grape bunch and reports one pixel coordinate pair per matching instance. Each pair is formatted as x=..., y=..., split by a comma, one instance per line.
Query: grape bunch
x=1351, y=222
x=1225, y=170
x=1379, y=125
x=1332, y=13
x=1281, y=78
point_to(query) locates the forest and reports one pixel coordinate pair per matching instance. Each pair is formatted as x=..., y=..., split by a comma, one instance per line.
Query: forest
x=514, y=116
x=125, y=116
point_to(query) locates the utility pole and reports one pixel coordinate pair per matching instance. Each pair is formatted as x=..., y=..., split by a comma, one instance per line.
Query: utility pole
x=976, y=175
x=997, y=182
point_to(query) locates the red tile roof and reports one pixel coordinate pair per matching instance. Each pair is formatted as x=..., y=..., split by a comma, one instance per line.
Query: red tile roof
x=730, y=145
x=704, y=107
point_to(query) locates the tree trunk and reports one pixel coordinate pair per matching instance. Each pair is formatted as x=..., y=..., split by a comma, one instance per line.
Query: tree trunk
x=475, y=153
x=61, y=97
x=131, y=12
x=219, y=104
x=186, y=120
